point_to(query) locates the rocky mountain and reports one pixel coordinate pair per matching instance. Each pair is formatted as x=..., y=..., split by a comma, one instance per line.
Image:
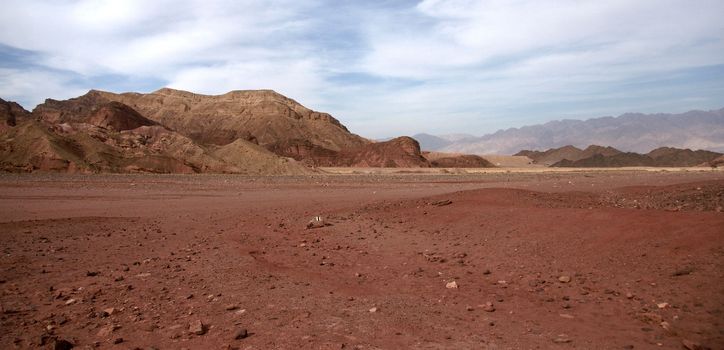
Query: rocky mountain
x=171, y=131
x=83, y=147
x=632, y=132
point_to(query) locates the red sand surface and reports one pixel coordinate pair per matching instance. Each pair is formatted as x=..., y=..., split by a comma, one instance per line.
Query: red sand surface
x=589, y=260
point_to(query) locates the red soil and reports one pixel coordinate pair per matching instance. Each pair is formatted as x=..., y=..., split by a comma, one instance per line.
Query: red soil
x=233, y=252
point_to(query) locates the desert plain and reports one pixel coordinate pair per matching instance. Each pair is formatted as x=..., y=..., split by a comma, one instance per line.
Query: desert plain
x=579, y=259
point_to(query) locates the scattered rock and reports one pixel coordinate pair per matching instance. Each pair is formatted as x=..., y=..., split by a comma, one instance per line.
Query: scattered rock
x=117, y=340
x=663, y=305
x=441, y=203
x=629, y=295
x=451, y=285
x=569, y=316
x=316, y=222
x=92, y=273
x=241, y=334
x=564, y=279
x=197, y=327
x=683, y=271
x=374, y=309
x=488, y=307
x=231, y=307
x=561, y=339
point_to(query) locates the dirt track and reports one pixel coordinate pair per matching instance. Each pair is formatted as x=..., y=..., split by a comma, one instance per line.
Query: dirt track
x=644, y=252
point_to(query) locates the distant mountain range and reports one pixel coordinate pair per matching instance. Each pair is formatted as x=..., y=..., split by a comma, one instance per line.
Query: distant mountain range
x=631, y=132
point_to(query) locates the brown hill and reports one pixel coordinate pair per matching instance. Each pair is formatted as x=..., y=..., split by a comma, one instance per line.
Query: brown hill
x=456, y=160
x=255, y=132
x=660, y=157
x=82, y=147
x=264, y=115
x=595, y=149
x=401, y=152
x=552, y=155
x=668, y=156
x=601, y=161
x=715, y=163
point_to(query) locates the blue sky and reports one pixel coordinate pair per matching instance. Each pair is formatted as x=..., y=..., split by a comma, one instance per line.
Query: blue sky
x=384, y=68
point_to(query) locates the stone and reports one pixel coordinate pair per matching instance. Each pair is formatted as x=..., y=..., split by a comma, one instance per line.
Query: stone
x=663, y=305
x=441, y=203
x=373, y=310
x=488, y=307
x=231, y=307
x=106, y=331
x=241, y=334
x=197, y=327
x=564, y=279
x=451, y=285
x=316, y=222
x=561, y=339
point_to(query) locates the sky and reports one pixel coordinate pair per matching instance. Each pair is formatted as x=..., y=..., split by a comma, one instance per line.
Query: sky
x=383, y=68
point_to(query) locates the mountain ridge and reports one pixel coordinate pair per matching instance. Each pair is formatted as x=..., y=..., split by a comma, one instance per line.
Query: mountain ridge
x=634, y=132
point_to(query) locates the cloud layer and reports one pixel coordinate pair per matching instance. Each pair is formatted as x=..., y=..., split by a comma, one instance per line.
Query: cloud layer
x=383, y=68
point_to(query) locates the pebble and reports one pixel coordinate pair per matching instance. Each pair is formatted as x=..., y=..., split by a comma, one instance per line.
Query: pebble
x=197, y=327
x=564, y=279
x=629, y=295
x=488, y=307
x=662, y=305
x=451, y=285
x=374, y=309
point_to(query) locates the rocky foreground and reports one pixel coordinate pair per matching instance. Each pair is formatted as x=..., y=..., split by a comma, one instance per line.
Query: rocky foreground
x=614, y=260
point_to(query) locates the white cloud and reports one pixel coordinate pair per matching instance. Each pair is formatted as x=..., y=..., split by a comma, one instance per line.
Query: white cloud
x=30, y=87
x=452, y=65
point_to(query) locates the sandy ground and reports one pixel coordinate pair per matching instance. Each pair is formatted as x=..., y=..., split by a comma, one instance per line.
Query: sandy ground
x=561, y=260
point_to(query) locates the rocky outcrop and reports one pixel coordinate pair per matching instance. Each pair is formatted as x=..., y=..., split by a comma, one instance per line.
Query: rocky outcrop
x=11, y=113
x=454, y=160
x=401, y=152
